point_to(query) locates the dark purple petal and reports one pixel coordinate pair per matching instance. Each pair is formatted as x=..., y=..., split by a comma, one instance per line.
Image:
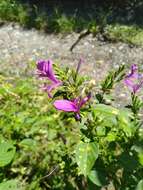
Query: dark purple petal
x=84, y=100
x=134, y=80
x=76, y=100
x=137, y=87
x=77, y=116
x=41, y=68
x=50, y=72
x=50, y=87
x=79, y=65
x=45, y=69
x=40, y=65
x=134, y=68
x=65, y=105
x=134, y=72
x=129, y=83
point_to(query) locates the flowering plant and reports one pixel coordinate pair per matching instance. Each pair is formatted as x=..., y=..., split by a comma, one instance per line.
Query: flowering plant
x=109, y=151
x=134, y=80
x=45, y=70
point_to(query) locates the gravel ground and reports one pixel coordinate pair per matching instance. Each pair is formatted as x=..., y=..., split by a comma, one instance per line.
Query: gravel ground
x=19, y=46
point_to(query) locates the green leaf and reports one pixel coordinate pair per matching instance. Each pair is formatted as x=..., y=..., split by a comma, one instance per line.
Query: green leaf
x=86, y=155
x=139, y=150
x=113, y=116
x=112, y=78
x=124, y=122
x=97, y=178
x=101, y=131
x=7, y=152
x=140, y=185
x=10, y=185
x=128, y=161
x=30, y=143
x=111, y=136
x=140, y=157
x=101, y=108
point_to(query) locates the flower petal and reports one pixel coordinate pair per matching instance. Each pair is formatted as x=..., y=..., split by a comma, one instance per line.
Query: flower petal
x=45, y=69
x=84, y=100
x=65, y=105
x=77, y=116
x=40, y=65
x=41, y=68
x=129, y=82
x=79, y=65
x=50, y=87
x=137, y=87
x=134, y=72
x=50, y=71
x=133, y=80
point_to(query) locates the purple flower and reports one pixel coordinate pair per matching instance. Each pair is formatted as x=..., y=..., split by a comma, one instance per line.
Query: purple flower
x=72, y=106
x=50, y=87
x=45, y=70
x=134, y=80
x=79, y=65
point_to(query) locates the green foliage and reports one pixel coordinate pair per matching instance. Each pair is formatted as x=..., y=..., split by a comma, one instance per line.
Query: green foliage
x=140, y=185
x=97, y=177
x=41, y=22
x=86, y=154
x=7, y=152
x=30, y=123
x=129, y=34
x=12, y=10
x=103, y=20
x=60, y=22
x=8, y=10
x=10, y=185
x=113, y=78
x=136, y=104
x=42, y=148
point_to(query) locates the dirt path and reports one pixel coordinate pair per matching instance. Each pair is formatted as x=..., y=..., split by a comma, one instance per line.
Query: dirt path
x=18, y=47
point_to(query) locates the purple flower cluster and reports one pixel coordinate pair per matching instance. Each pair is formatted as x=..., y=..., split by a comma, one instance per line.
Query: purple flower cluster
x=72, y=106
x=45, y=70
x=134, y=80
